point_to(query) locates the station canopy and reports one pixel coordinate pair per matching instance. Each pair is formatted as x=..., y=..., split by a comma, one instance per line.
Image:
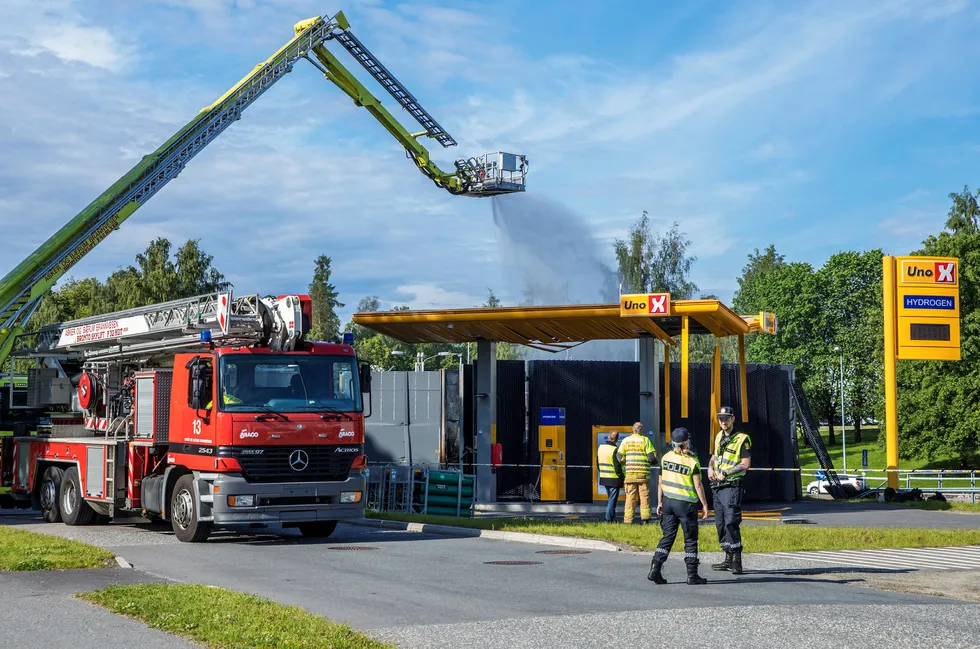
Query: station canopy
x=553, y=327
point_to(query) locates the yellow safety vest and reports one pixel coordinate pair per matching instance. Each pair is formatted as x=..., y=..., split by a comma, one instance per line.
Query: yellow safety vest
x=730, y=455
x=607, y=465
x=677, y=473
x=635, y=451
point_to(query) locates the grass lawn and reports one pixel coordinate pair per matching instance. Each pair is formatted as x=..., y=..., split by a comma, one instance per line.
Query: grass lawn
x=757, y=538
x=876, y=460
x=216, y=617
x=23, y=550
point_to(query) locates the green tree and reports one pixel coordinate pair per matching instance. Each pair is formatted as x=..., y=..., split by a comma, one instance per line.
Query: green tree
x=749, y=295
x=938, y=401
x=323, y=294
x=851, y=322
x=648, y=262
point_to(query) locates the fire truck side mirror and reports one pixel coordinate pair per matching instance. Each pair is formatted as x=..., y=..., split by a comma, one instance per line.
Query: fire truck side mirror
x=198, y=384
x=364, y=371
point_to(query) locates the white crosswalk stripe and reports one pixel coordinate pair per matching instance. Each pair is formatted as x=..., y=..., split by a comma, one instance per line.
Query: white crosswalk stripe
x=952, y=558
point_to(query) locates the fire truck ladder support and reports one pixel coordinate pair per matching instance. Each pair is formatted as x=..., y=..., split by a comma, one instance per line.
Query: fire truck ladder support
x=394, y=87
x=159, y=327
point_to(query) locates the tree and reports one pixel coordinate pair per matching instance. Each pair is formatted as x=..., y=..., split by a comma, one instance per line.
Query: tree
x=851, y=321
x=649, y=262
x=937, y=400
x=323, y=294
x=749, y=296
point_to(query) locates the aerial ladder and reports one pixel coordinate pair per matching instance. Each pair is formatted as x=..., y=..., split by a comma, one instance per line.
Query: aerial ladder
x=22, y=289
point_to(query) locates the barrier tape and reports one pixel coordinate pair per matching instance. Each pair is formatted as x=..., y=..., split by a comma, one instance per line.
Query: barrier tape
x=923, y=472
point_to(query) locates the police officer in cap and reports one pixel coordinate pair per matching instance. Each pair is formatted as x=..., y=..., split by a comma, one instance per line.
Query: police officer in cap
x=678, y=494
x=732, y=457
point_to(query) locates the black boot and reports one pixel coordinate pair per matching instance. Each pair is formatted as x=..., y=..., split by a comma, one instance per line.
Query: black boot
x=654, y=574
x=726, y=564
x=737, y=563
x=693, y=578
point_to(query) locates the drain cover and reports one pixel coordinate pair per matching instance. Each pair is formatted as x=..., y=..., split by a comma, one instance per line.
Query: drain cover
x=513, y=563
x=351, y=547
x=563, y=552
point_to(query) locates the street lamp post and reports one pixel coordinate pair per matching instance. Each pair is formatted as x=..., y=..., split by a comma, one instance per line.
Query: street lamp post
x=843, y=425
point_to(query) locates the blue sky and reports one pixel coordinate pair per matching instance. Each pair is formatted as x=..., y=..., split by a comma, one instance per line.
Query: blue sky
x=815, y=126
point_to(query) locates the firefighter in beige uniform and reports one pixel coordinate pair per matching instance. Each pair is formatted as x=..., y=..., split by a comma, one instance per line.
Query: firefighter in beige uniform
x=638, y=456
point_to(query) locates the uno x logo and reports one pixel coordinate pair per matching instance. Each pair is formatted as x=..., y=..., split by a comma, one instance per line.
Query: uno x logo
x=945, y=272
x=658, y=304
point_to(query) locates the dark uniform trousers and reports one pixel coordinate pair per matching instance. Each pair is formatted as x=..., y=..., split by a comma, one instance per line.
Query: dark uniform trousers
x=684, y=514
x=728, y=515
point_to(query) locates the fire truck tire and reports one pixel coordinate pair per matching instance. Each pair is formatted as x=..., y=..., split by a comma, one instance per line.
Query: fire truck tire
x=50, y=494
x=74, y=509
x=183, y=513
x=318, y=529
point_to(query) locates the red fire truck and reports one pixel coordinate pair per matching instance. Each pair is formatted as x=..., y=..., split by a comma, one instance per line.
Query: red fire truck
x=208, y=411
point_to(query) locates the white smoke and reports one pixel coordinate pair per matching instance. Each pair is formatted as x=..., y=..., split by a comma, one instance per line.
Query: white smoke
x=551, y=258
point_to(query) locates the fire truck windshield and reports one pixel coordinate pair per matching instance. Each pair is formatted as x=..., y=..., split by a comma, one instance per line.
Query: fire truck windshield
x=288, y=383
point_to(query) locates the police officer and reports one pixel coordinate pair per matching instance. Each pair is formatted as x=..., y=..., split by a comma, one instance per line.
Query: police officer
x=678, y=494
x=731, y=459
x=638, y=455
x=610, y=473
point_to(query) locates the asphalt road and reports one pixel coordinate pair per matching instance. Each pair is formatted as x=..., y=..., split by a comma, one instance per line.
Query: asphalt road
x=40, y=611
x=426, y=591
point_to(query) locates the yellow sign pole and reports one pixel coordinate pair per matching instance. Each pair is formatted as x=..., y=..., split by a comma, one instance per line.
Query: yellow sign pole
x=667, y=392
x=891, y=380
x=685, y=350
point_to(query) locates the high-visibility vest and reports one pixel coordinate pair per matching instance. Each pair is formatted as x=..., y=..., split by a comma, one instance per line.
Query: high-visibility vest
x=730, y=453
x=677, y=473
x=635, y=451
x=607, y=465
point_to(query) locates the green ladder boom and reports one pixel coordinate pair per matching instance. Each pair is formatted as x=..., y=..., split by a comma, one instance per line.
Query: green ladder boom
x=23, y=287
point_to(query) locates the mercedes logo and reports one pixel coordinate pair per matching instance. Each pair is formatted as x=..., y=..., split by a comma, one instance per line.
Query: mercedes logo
x=299, y=460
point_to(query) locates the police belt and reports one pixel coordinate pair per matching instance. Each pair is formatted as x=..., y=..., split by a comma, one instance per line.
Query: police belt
x=718, y=486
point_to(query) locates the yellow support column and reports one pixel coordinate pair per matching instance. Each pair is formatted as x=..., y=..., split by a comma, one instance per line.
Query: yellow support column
x=715, y=390
x=891, y=380
x=685, y=340
x=742, y=379
x=667, y=428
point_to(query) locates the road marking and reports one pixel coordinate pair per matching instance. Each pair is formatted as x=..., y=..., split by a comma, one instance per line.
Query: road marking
x=947, y=558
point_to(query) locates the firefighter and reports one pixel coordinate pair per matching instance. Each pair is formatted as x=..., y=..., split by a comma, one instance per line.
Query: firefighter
x=638, y=455
x=732, y=457
x=678, y=494
x=610, y=473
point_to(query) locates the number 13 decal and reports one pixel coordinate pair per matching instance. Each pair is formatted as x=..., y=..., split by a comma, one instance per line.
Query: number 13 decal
x=197, y=426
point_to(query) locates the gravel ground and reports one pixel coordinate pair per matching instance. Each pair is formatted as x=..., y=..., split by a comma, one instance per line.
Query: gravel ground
x=912, y=626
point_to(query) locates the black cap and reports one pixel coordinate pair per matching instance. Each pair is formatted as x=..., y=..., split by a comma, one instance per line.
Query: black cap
x=679, y=435
x=726, y=411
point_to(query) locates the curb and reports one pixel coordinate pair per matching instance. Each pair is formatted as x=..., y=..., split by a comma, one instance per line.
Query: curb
x=123, y=563
x=518, y=537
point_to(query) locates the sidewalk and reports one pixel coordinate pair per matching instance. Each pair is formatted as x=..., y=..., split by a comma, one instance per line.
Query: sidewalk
x=47, y=614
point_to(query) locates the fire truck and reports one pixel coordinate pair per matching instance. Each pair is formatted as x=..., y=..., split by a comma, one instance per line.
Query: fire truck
x=209, y=411
x=215, y=409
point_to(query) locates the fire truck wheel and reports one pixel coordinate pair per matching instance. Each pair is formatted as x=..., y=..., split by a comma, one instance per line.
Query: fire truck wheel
x=183, y=513
x=74, y=509
x=318, y=530
x=50, y=492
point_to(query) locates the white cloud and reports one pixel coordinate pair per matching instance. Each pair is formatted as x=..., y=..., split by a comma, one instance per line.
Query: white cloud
x=428, y=296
